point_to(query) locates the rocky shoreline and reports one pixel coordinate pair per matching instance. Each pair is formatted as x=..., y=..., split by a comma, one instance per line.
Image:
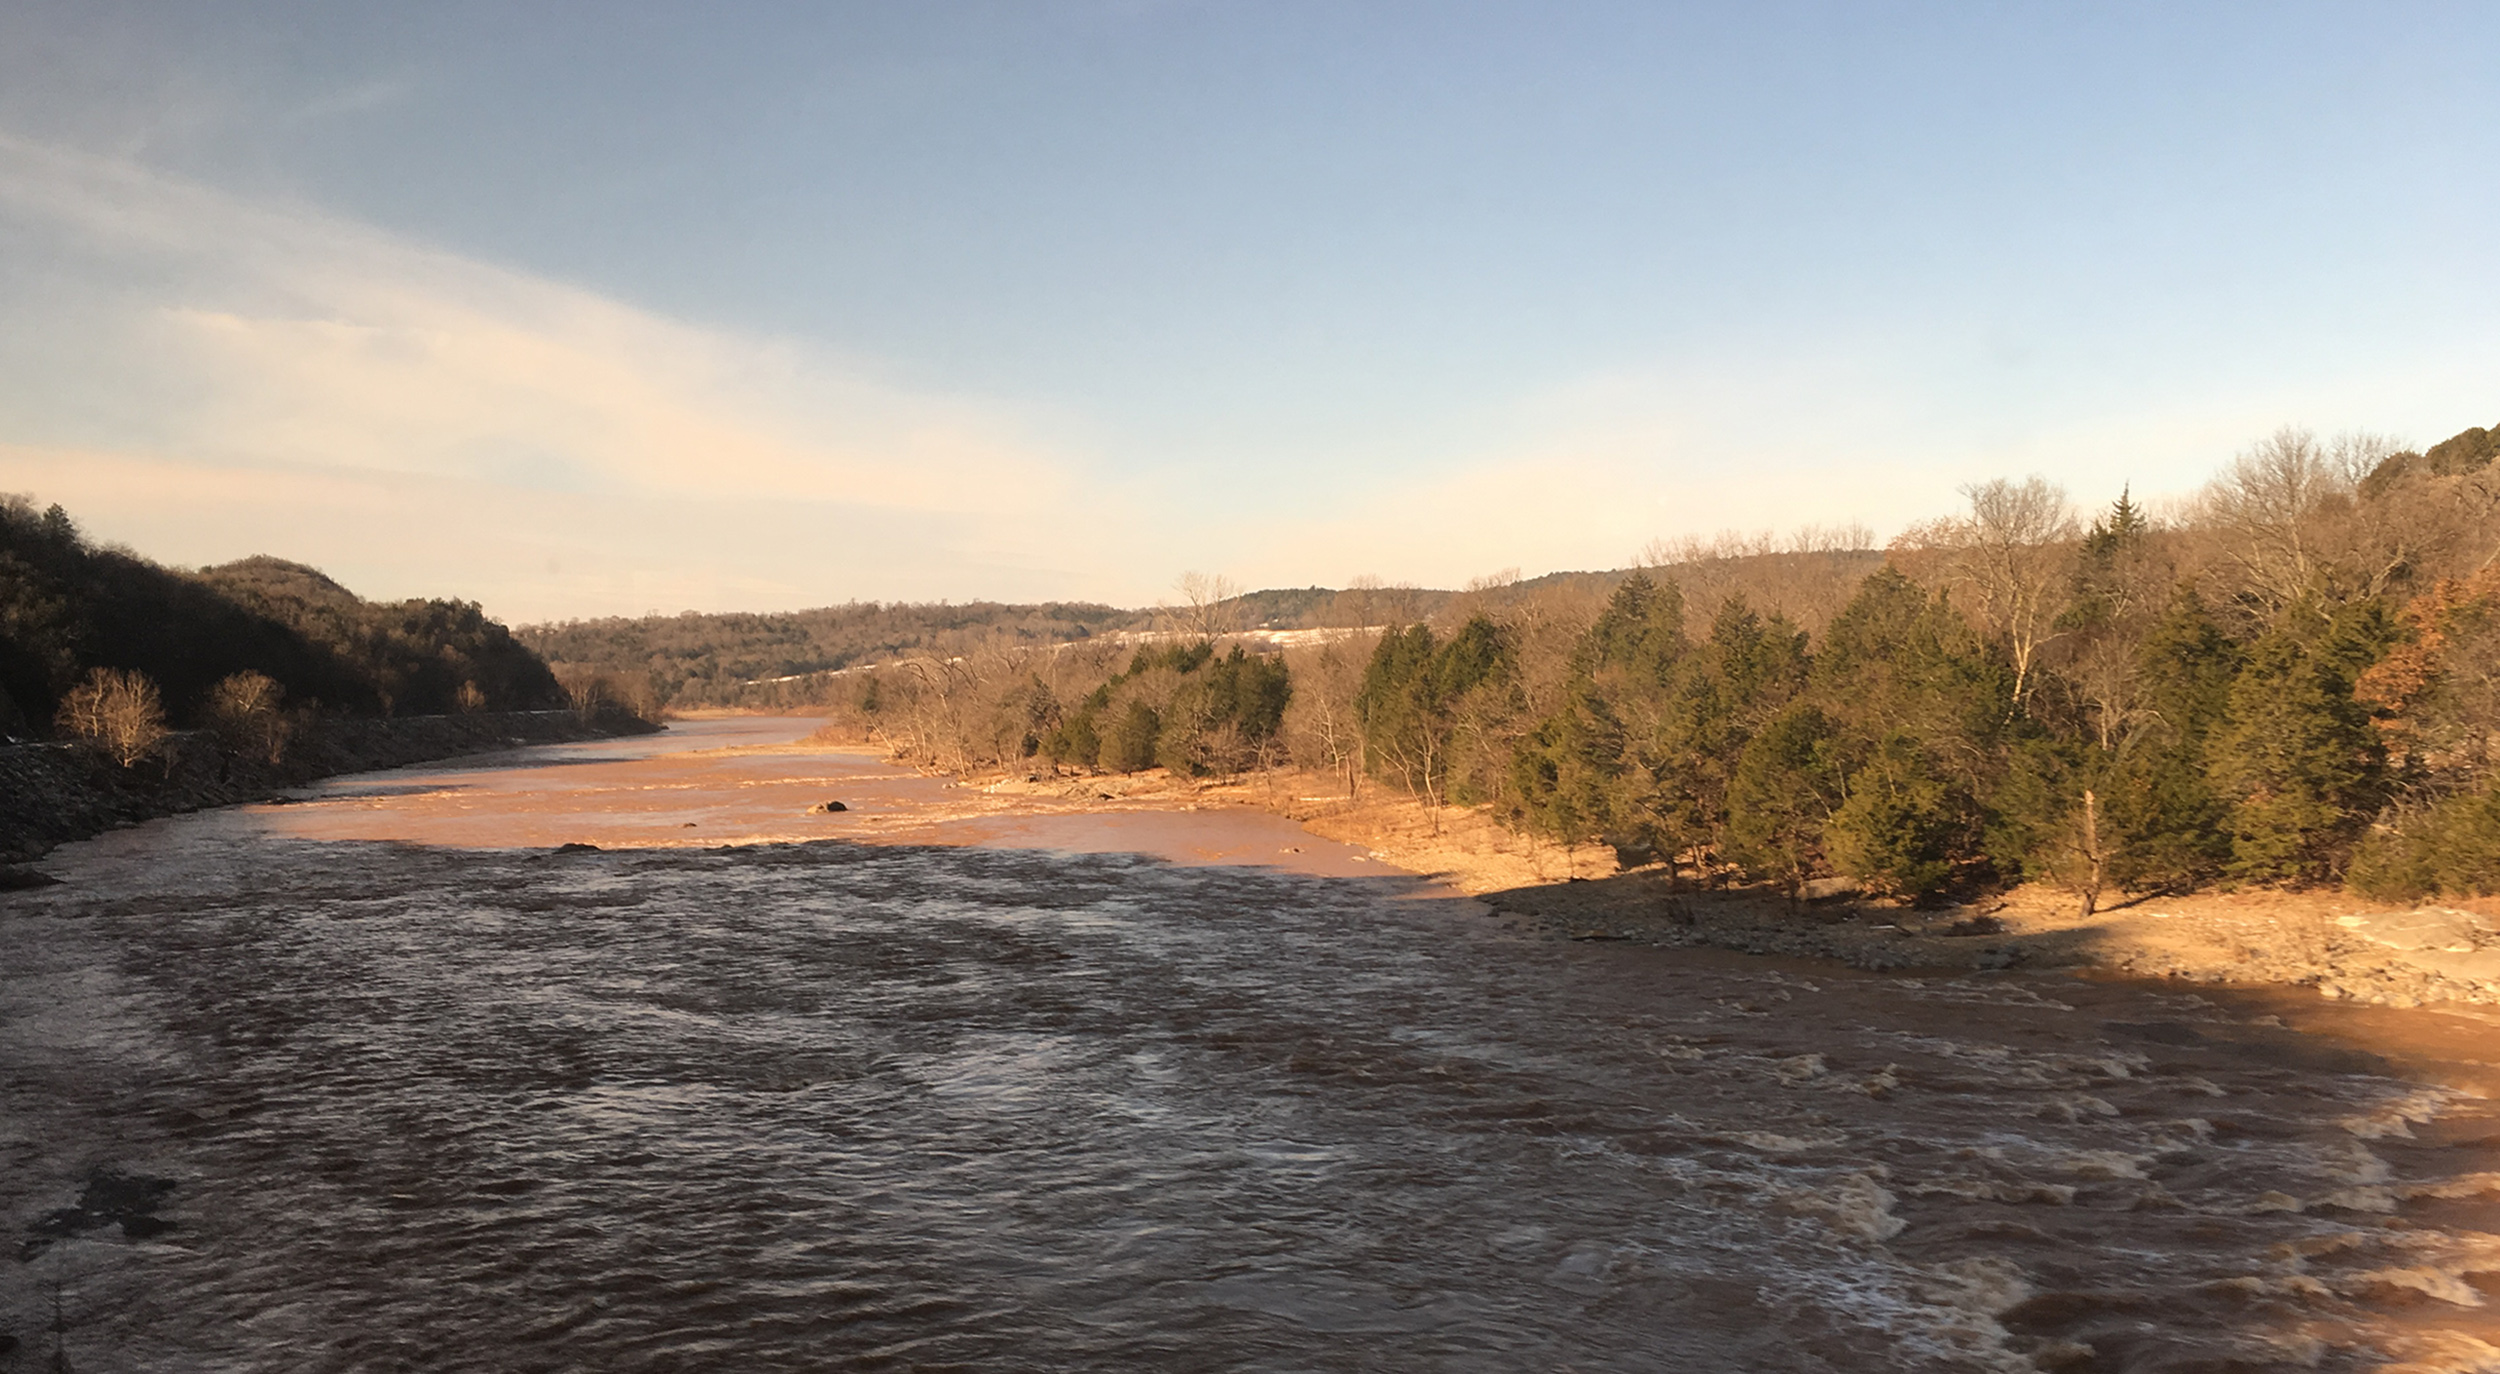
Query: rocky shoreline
x=51, y=794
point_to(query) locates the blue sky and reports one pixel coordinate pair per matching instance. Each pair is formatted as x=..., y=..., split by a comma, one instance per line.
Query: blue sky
x=607, y=308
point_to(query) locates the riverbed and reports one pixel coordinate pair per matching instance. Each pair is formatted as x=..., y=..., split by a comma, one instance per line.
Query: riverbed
x=383, y=1078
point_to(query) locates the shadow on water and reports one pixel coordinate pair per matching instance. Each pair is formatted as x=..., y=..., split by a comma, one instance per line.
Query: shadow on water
x=835, y=1104
x=1647, y=904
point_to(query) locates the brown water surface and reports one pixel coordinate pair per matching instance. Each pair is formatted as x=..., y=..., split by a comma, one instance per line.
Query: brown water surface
x=925, y=1085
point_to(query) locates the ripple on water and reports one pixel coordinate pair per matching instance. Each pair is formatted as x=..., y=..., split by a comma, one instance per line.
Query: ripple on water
x=824, y=1105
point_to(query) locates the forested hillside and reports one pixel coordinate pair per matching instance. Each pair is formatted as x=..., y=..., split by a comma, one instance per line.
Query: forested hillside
x=742, y=659
x=69, y=608
x=2292, y=679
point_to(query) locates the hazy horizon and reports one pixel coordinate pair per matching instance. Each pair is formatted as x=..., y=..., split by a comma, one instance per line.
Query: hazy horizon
x=607, y=310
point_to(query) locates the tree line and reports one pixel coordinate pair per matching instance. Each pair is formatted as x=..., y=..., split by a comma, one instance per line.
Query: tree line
x=91, y=635
x=781, y=659
x=2292, y=678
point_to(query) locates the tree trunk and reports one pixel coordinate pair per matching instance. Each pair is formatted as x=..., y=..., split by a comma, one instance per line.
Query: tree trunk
x=2095, y=861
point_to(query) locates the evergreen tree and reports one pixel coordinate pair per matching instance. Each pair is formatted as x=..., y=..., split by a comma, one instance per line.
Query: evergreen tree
x=1897, y=662
x=1903, y=825
x=2171, y=825
x=1729, y=685
x=1565, y=775
x=2296, y=753
x=1129, y=744
x=1782, y=794
x=1409, y=703
x=1639, y=637
x=1220, y=717
x=1223, y=714
x=2450, y=848
x=1591, y=769
x=2131, y=807
x=1924, y=708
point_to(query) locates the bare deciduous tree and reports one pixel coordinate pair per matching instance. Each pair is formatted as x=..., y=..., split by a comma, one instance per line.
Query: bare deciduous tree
x=1209, y=606
x=1323, y=731
x=1806, y=575
x=2285, y=523
x=244, y=710
x=118, y=710
x=2012, y=555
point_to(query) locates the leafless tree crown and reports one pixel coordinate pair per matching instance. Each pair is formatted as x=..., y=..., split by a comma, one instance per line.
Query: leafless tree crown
x=117, y=710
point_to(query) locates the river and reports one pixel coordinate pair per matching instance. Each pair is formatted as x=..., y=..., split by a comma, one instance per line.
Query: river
x=379, y=1080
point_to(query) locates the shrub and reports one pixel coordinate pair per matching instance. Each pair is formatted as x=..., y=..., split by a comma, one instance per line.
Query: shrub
x=2452, y=848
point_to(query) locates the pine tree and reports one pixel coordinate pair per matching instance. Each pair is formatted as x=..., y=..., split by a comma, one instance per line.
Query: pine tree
x=1924, y=709
x=1729, y=685
x=1781, y=797
x=2296, y=753
x=2170, y=826
x=1129, y=744
x=1591, y=769
x=1902, y=826
x=1408, y=703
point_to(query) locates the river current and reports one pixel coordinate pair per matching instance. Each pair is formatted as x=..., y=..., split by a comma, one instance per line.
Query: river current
x=272, y=1100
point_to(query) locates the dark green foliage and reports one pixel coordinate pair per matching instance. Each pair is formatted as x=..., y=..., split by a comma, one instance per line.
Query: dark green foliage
x=2295, y=753
x=1221, y=716
x=66, y=607
x=1748, y=670
x=2170, y=823
x=1924, y=710
x=1899, y=663
x=1410, y=703
x=1041, y=715
x=1782, y=794
x=1566, y=774
x=2451, y=848
x=2187, y=665
x=1641, y=750
x=1074, y=740
x=412, y=655
x=1180, y=658
x=1639, y=637
x=1903, y=824
x=2123, y=528
x=2456, y=456
x=2156, y=820
x=1129, y=744
x=1589, y=770
x=2031, y=831
x=1404, y=733
x=2470, y=451
x=2102, y=587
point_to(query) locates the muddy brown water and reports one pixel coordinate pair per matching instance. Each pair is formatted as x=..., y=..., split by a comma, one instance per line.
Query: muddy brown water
x=890, y=1089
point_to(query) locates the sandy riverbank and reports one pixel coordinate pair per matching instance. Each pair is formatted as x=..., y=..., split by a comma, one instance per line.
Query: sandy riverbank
x=2333, y=942
x=748, y=780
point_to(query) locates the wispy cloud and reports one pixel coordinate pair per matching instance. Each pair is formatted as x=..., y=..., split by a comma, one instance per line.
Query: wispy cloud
x=206, y=375
x=310, y=339
x=287, y=358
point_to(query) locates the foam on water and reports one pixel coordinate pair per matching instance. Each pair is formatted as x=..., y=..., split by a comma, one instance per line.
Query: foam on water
x=829, y=1104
